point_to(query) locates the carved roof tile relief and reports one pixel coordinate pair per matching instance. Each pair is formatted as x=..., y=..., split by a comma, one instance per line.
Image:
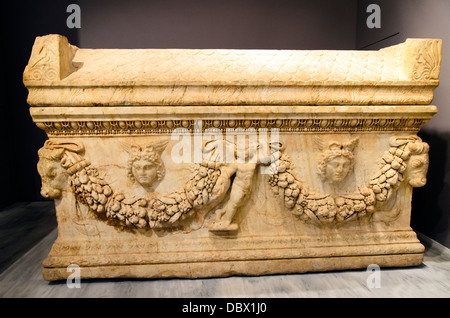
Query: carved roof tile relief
x=61, y=74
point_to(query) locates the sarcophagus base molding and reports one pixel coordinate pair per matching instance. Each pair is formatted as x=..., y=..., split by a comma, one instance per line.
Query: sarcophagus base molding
x=208, y=163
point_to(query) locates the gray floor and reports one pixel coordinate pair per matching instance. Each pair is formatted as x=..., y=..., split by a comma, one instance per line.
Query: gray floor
x=432, y=279
x=22, y=226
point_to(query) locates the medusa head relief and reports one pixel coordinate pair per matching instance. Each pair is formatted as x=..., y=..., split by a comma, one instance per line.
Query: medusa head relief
x=337, y=160
x=145, y=165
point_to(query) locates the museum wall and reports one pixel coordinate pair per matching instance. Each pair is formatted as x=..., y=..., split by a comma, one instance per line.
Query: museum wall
x=259, y=24
x=5, y=143
x=402, y=19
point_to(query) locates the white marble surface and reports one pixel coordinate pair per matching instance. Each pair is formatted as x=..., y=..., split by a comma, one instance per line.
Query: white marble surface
x=431, y=279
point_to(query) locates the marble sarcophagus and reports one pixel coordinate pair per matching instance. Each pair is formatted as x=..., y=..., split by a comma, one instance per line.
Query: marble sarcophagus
x=201, y=163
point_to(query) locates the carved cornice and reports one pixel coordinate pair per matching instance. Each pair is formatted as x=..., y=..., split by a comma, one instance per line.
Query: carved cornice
x=159, y=127
x=81, y=121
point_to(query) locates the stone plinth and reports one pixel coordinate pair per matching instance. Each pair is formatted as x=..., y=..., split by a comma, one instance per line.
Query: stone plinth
x=200, y=163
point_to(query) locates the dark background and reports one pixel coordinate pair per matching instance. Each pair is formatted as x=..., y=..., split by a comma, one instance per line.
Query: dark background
x=244, y=24
x=21, y=22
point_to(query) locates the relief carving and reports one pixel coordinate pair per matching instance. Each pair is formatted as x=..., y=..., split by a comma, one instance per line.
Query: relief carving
x=206, y=189
x=428, y=62
x=337, y=159
x=406, y=159
x=212, y=180
x=62, y=163
x=53, y=164
x=51, y=59
x=145, y=165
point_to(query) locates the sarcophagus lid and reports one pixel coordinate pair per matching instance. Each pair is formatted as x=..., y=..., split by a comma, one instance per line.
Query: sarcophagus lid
x=62, y=74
